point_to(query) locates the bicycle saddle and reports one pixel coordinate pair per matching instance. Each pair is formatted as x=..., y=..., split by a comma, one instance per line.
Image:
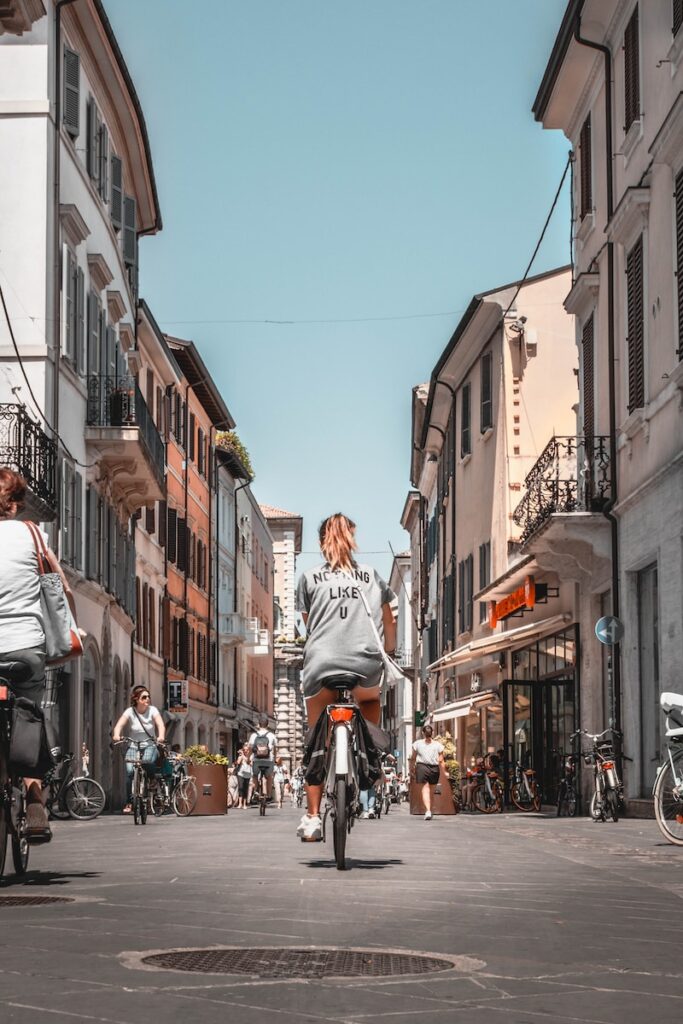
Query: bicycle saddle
x=15, y=671
x=341, y=681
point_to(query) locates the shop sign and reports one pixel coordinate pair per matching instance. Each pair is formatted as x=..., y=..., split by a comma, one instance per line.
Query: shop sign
x=177, y=696
x=521, y=599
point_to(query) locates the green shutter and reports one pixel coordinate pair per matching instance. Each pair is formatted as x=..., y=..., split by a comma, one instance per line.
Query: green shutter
x=116, y=192
x=72, y=92
x=103, y=170
x=129, y=232
x=78, y=521
x=80, y=321
x=93, y=333
x=70, y=341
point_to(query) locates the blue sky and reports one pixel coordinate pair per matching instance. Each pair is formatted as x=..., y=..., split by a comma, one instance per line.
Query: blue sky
x=348, y=167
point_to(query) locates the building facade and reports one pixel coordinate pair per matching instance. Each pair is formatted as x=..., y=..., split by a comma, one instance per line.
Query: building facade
x=398, y=703
x=621, y=107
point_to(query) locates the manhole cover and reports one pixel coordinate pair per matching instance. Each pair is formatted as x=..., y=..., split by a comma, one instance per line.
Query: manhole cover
x=32, y=901
x=299, y=963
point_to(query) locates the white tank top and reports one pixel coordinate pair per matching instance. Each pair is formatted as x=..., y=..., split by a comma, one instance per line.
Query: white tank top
x=21, y=618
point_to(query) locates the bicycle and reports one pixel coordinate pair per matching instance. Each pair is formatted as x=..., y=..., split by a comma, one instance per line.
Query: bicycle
x=525, y=790
x=69, y=796
x=487, y=795
x=606, y=783
x=261, y=785
x=566, y=792
x=341, y=786
x=140, y=786
x=668, y=787
x=12, y=786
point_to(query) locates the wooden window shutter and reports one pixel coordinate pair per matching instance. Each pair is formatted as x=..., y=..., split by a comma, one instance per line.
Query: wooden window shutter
x=161, y=524
x=585, y=168
x=143, y=616
x=588, y=373
x=103, y=171
x=470, y=591
x=138, y=612
x=113, y=550
x=70, y=345
x=93, y=333
x=631, y=72
x=116, y=192
x=129, y=232
x=165, y=627
x=677, y=15
x=91, y=136
x=65, y=526
x=191, y=437
x=200, y=450
x=636, y=327
x=149, y=518
x=486, y=410
x=72, y=92
x=172, y=536
x=465, y=437
x=679, y=256
x=182, y=544
x=461, y=597
x=152, y=620
x=92, y=532
x=78, y=521
x=80, y=321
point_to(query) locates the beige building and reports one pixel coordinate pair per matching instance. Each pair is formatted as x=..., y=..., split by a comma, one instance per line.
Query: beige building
x=499, y=628
x=614, y=86
x=286, y=529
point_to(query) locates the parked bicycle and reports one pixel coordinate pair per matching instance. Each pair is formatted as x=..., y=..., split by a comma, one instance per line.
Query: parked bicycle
x=79, y=797
x=524, y=789
x=12, y=787
x=607, y=788
x=668, y=788
x=177, y=791
x=487, y=796
x=567, y=796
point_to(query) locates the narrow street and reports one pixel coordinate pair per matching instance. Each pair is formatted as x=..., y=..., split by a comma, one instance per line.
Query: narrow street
x=566, y=920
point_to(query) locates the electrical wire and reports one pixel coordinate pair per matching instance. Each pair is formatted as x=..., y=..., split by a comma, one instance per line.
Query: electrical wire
x=296, y=323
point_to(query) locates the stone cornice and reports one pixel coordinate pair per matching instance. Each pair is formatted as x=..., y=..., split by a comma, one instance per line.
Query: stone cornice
x=17, y=16
x=630, y=216
x=668, y=142
x=73, y=225
x=583, y=293
x=116, y=305
x=100, y=274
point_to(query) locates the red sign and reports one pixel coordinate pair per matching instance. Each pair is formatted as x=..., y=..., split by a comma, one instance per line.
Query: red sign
x=524, y=597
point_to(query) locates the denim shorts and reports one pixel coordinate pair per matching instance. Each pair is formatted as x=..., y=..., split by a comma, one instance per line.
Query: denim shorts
x=34, y=687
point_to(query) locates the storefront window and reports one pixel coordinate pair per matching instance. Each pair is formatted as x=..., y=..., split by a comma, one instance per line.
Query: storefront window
x=473, y=742
x=494, y=728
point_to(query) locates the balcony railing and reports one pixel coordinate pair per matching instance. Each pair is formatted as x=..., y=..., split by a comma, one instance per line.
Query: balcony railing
x=572, y=474
x=26, y=448
x=117, y=402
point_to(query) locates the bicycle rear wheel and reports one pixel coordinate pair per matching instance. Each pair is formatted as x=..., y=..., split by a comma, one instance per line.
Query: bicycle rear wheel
x=55, y=802
x=340, y=824
x=612, y=804
x=20, y=852
x=184, y=797
x=84, y=799
x=668, y=801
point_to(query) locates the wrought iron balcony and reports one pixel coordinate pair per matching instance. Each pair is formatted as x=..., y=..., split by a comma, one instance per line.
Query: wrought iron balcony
x=121, y=427
x=26, y=448
x=572, y=474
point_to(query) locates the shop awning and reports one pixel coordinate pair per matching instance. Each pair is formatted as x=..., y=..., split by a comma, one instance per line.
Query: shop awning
x=461, y=707
x=499, y=641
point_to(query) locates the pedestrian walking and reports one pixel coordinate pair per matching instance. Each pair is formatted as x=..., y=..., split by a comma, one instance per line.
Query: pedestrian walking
x=279, y=780
x=233, y=786
x=244, y=775
x=428, y=758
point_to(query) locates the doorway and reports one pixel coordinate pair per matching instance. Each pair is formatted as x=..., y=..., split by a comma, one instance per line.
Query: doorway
x=539, y=717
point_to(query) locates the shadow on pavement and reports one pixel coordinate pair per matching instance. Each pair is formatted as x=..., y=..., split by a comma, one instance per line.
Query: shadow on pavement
x=366, y=865
x=46, y=878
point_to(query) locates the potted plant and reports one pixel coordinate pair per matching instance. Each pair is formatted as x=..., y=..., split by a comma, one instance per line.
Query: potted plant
x=452, y=766
x=228, y=442
x=210, y=772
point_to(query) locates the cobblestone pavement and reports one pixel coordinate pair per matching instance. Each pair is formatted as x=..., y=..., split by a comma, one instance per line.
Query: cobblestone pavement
x=567, y=921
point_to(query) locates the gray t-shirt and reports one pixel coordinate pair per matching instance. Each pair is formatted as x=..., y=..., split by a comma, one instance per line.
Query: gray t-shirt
x=340, y=637
x=427, y=753
x=21, y=616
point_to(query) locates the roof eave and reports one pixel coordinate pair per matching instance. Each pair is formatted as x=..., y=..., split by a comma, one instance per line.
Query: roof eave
x=557, y=57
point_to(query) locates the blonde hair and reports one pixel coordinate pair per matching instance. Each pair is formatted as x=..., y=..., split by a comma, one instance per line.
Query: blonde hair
x=337, y=541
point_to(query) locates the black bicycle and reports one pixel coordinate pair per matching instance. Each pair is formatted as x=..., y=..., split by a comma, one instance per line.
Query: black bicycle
x=12, y=786
x=70, y=796
x=140, y=789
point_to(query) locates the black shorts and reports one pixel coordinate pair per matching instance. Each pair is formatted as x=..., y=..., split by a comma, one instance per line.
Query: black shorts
x=312, y=687
x=427, y=773
x=34, y=687
x=262, y=768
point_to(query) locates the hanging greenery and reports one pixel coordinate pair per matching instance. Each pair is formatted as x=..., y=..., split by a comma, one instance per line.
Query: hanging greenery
x=228, y=441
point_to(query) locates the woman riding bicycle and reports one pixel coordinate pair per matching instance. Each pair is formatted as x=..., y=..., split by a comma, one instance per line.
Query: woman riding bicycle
x=22, y=632
x=142, y=723
x=340, y=638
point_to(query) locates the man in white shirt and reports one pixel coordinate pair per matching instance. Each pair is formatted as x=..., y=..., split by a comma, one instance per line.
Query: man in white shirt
x=263, y=745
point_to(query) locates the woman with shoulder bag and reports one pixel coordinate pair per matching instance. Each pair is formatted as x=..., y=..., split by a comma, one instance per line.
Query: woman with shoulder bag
x=142, y=722
x=22, y=625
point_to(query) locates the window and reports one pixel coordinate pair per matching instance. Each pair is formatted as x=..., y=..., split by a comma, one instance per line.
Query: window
x=193, y=431
x=587, y=380
x=93, y=528
x=71, y=519
x=484, y=575
x=631, y=72
x=486, y=392
x=585, y=169
x=93, y=345
x=149, y=518
x=465, y=588
x=201, y=452
x=144, y=639
x=182, y=544
x=679, y=256
x=635, y=326
x=465, y=410
x=130, y=242
x=116, y=199
x=74, y=318
x=677, y=15
x=72, y=92
x=151, y=627
x=97, y=149
x=172, y=535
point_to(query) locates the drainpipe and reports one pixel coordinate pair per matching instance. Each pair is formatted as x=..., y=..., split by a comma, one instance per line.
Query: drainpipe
x=57, y=255
x=607, y=511
x=234, y=596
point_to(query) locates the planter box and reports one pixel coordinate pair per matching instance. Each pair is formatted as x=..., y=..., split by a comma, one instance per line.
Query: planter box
x=211, y=781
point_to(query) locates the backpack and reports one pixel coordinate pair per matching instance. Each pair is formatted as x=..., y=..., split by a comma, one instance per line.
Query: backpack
x=261, y=747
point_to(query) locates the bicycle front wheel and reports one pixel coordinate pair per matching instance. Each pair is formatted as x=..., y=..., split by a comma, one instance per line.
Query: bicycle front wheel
x=668, y=800
x=340, y=824
x=184, y=797
x=20, y=852
x=84, y=799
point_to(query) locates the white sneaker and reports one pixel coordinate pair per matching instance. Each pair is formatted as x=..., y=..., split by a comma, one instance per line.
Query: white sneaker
x=428, y=815
x=371, y=814
x=310, y=828
x=365, y=814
